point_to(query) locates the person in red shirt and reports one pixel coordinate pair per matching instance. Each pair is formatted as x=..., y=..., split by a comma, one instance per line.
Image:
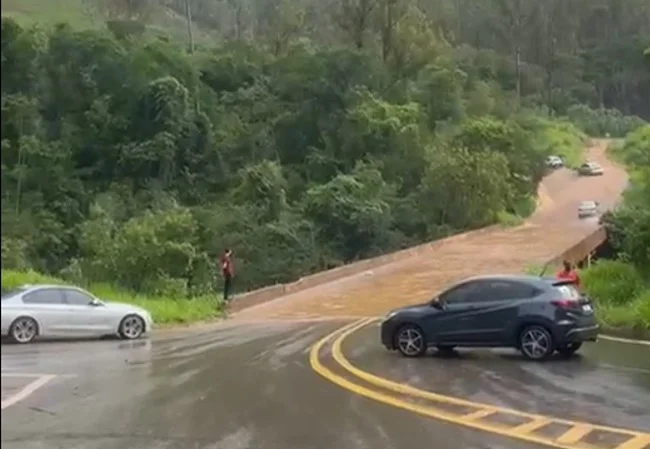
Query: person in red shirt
x=569, y=273
x=227, y=272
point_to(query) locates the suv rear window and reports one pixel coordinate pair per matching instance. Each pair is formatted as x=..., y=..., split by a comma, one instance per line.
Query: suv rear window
x=568, y=291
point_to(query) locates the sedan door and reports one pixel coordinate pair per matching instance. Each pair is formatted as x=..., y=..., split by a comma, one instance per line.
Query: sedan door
x=86, y=317
x=47, y=306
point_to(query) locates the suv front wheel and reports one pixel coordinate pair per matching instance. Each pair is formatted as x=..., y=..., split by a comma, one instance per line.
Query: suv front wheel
x=410, y=341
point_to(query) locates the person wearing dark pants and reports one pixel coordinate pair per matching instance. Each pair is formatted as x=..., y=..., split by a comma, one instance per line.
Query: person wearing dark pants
x=227, y=272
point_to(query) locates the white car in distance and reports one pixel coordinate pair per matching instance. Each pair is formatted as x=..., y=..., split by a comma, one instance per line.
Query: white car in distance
x=588, y=209
x=554, y=162
x=32, y=311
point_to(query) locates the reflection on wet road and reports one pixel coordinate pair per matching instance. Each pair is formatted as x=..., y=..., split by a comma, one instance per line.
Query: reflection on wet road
x=607, y=383
x=250, y=386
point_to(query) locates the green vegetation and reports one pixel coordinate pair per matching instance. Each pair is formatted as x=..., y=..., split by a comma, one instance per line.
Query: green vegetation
x=162, y=18
x=622, y=287
x=303, y=136
x=603, y=122
x=164, y=309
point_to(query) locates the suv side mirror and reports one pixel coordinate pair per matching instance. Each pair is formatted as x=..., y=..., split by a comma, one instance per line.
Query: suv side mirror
x=438, y=304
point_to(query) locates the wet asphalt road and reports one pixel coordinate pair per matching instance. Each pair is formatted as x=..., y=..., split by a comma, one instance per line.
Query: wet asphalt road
x=250, y=386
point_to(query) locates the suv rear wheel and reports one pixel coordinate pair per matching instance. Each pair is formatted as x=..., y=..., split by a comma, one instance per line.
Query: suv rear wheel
x=536, y=343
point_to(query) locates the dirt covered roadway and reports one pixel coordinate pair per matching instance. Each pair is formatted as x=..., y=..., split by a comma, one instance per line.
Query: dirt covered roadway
x=552, y=229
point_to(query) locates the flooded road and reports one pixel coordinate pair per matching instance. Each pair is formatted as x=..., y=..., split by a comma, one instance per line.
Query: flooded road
x=606, y=383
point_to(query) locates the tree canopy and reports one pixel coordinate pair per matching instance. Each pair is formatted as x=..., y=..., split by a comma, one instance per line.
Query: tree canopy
x=309, y=135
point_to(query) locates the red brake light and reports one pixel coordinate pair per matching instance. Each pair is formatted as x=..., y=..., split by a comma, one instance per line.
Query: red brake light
x=566, y=304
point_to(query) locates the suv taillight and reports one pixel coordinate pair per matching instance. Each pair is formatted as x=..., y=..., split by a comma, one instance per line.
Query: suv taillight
x=569, y=304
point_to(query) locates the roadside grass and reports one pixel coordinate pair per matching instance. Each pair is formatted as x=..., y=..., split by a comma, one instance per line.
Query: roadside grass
x=81, y=15
x=50, y=12
x=565, y=140
x=164, y=309
x=508, y=220
x=620, y=293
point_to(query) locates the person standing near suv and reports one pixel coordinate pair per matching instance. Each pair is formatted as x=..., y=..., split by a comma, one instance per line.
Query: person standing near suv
x=227, y=272
x=567, y=272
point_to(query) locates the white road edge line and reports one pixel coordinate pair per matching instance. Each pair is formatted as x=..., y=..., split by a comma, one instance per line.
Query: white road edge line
x=28, y=390
x=625, y=340
x=38, y=376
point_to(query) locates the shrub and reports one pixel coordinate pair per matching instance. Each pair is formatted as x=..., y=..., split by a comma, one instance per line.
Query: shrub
x=642, y=308
x=603, y=122
x=612, y=283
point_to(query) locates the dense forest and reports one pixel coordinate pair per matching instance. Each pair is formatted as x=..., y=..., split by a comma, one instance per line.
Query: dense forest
x=303, y=135
x=622, y=286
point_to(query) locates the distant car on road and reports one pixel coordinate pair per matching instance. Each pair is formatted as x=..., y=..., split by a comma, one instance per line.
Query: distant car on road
x=34, y=311
x=554, y=162
x=588, y=209
x=536, y=315
x=590, y=169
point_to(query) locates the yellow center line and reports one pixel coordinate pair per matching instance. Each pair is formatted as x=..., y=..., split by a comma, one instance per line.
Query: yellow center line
x=479, y=414
x=531, y=425
x=405, y=405
x=575, y=434
x=522, y=432
x=638, y=442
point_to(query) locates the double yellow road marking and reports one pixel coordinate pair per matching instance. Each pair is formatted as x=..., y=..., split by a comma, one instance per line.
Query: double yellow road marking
x=387, y=391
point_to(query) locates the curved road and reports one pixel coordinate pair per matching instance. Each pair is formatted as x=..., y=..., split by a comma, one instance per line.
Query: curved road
x=248, y=383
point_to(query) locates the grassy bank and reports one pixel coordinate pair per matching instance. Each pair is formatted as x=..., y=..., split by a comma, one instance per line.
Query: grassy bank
x=164, y=309
x=621, y=295
x=565, y=140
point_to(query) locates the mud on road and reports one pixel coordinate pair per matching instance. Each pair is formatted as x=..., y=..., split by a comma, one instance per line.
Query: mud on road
x=551, y=230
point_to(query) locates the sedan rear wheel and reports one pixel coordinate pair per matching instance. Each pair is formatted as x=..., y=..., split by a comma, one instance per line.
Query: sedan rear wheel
x=536, y=343
x=131, y=327
x=410, y=341
x=23, y=330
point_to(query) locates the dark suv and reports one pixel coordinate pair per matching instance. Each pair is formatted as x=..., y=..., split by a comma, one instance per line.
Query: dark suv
x=536, y=315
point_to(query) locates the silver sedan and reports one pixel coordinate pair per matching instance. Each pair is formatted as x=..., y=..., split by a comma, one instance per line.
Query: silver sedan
x=34, y=311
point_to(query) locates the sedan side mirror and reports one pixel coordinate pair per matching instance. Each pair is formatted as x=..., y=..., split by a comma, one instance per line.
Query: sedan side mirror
x=95, y=302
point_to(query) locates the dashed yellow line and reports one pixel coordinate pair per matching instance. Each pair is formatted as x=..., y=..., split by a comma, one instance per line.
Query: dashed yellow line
x=571, y=439
x=532, y=425
x=575, y=434
x=638, y=442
